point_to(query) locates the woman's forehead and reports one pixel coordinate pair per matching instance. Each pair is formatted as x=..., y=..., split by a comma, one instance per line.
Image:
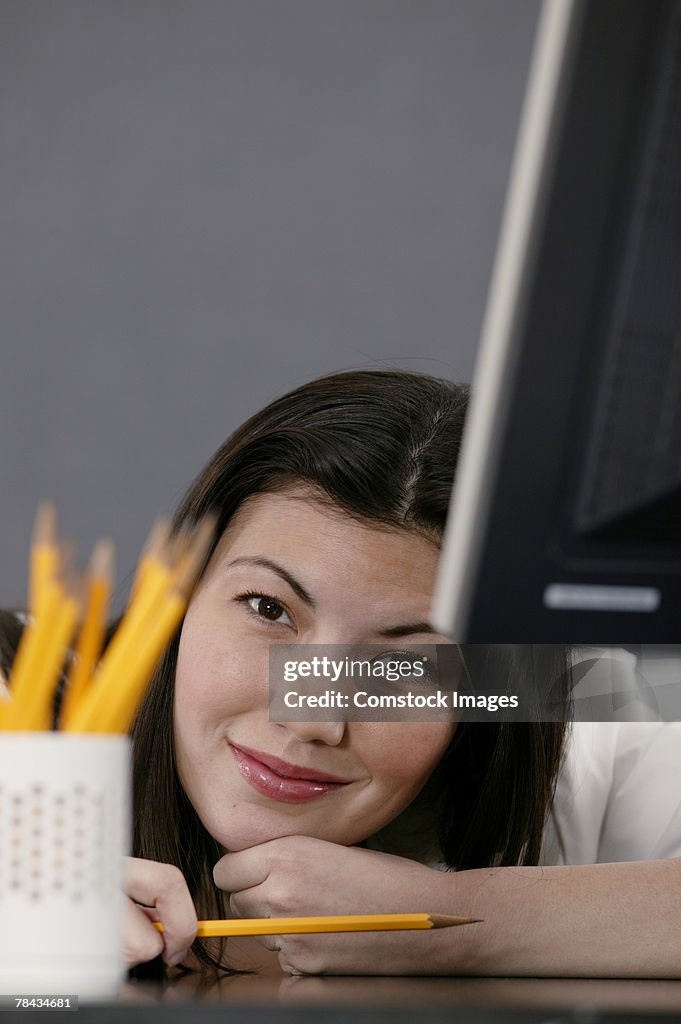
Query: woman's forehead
x=285, y=515
x=297, y=527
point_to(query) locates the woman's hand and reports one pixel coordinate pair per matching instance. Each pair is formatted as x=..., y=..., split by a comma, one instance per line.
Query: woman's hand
x=156, y=892
x=298, y=876
x=592, y=920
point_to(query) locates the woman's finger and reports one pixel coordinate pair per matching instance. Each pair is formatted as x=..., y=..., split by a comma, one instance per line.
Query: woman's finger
x=244, y=869
x=141, y=941
x=163, y=887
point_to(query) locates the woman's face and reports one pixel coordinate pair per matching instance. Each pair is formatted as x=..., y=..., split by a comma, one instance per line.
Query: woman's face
x=290, y=570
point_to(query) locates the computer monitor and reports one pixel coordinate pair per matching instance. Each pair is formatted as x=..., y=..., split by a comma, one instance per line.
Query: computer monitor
x=565, y=523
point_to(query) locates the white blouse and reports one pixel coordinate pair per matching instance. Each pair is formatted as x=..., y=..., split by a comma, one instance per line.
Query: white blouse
x=618, y=795
x=618, y=798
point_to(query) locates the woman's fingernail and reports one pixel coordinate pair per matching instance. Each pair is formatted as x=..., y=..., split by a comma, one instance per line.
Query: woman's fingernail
x=175, y=959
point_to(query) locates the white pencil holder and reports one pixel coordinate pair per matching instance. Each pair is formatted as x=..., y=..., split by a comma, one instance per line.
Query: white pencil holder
x=64, y=830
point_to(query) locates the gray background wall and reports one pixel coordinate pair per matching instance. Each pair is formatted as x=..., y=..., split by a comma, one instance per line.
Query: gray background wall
x=204, y=203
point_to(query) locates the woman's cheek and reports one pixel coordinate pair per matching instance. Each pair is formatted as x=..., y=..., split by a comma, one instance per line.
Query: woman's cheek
x=407, y=754
x=218, y=688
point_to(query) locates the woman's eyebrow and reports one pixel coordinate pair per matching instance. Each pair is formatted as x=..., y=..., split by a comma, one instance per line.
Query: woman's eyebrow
x=407, y=629
x=267, y=563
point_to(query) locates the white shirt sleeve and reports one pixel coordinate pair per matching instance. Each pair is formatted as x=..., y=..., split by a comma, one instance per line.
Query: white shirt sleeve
x=618, y=795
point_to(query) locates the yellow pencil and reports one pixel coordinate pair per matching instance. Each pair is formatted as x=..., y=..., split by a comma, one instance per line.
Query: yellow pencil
x=151, y=553
x=336, y=923
x=118, y=695
x=100, y=697
x=193, y=552
x=189, y=553
x=35, y=712
x=159, y=603
x=28, y=657
x=130, y=640
x=44, y=557
x=93, y=628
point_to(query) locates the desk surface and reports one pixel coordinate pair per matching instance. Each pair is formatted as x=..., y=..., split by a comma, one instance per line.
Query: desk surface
x=380, y=1000
x=436, y=998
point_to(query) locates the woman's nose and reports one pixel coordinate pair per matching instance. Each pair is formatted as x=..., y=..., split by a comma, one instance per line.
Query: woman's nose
x=330, y=733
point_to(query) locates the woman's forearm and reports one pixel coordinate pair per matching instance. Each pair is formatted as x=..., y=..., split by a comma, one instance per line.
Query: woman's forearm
x=601, y=920
x=604, y=920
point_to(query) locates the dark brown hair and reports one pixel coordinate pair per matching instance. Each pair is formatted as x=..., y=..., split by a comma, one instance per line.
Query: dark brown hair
x=381, y=445
x=11, y=629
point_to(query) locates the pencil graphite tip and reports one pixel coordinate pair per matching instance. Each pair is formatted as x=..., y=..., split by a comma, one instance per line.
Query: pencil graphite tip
x=450, y=921
x=189, y=567
x=45, y=529
x=159, y=536
x=102, y=559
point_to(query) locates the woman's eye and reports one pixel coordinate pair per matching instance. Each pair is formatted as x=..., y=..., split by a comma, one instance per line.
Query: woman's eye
x=409, y=666
x=267, y=608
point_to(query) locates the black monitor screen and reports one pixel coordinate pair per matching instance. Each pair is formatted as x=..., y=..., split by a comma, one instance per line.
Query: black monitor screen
x=566, y=515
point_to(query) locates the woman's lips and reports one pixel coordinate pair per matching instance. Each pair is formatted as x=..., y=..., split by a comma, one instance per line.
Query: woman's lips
x=283, y=781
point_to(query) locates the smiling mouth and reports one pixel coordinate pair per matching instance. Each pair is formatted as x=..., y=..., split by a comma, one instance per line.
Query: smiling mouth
x=282, y=781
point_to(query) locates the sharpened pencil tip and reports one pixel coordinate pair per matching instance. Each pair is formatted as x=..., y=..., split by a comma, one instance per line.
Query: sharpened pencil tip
x=449, y=921
x=102, y=559
x=45, y=527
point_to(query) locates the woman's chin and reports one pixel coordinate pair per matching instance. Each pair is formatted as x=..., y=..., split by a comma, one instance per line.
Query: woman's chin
x=234, y=840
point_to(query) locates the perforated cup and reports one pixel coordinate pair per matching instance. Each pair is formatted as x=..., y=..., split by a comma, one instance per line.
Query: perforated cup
x=64, y=829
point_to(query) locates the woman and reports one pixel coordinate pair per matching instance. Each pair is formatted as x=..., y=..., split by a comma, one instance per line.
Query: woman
x=331, y=504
